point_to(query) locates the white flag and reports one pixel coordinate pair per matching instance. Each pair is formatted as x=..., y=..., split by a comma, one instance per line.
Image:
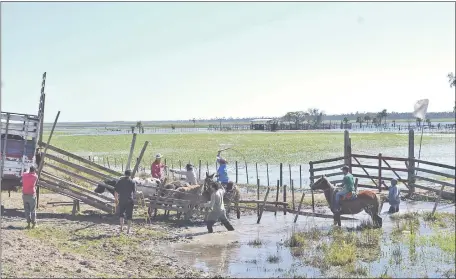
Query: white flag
x=420, y=109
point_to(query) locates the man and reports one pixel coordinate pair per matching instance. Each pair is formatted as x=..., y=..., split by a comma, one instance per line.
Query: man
x=393, y=197
x=217, y=210
x=125, y=190
x=190, y=176
x=348, y=187
x=222, y=172
x=29, y=195
x=157, y=167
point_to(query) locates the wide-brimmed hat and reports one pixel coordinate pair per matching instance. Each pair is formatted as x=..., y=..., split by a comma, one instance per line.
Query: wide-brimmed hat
x=345, y=168
x=158, y=156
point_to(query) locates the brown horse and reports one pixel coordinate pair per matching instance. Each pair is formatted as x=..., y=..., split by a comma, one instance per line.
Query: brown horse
x=231, y=196
x=365, y=200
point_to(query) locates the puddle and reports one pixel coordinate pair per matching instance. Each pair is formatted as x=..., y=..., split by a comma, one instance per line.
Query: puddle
x=231, y=254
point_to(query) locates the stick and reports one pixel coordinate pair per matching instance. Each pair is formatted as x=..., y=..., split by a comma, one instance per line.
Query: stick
x=132, y=148
x=438, y=200
x=262, y=206
x=299, y=206
x=292, y=195
x=277, y=196
x=135, y=169
x=419, y=152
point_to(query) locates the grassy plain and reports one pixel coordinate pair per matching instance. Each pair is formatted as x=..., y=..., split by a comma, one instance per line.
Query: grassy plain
x=298, y=147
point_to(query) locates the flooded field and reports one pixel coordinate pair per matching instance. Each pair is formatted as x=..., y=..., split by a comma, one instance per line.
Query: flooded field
x=408, y=245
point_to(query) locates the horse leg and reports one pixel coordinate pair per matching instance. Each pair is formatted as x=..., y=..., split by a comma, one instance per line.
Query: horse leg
x=339, y=220
x=238, y=211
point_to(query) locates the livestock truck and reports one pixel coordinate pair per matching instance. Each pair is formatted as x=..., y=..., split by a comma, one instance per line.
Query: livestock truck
x=20, y=135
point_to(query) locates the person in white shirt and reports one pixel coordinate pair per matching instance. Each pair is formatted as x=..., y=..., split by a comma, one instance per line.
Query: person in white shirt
x=189, y=174
x=217, y=209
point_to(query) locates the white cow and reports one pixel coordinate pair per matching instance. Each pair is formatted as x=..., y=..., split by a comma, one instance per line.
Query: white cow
x=148, y=186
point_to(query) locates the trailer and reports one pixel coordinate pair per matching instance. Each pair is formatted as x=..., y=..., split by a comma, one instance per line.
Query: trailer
x=20, y=135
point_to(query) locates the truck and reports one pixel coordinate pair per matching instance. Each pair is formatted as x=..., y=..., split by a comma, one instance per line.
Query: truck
x=20, y=135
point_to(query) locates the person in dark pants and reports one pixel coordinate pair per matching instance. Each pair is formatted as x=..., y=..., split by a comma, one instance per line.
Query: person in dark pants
x=217, y=210
x=125, y=191
x=394, y=198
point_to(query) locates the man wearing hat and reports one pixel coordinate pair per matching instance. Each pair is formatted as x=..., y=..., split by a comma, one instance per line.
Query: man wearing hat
x=348, y=187
x=393, y=197
x=222, y=172
x=157, y=167
x=189, y=173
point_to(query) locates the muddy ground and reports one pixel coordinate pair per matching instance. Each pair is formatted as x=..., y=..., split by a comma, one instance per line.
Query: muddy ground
x=89, y=245
x=86, y=245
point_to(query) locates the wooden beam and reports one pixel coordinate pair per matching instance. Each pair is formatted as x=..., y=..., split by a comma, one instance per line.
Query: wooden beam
x=262, y=206
x=328, y=160
x=86, y=170
x=43, y=156
x=132, y=148
x=135, y=169
x=83, y=160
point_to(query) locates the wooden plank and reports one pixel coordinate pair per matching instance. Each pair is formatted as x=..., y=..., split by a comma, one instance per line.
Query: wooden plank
x=81, y=159
x=365, y=171
x=383, y=178
x=105, y=207
x=438, y=200
x=376, y=157
x=43, y=156
x=299, y=207
x=132, y=148
x=327, y=175
x=328, y=168
x=369, y=186
x=262, y=206
x=377, y=167
x=86, y=170
x=397, y=175
x=329, y=160
x=435, y=181
x=319, y=215
x=95, y=183
x=435, y=164
x=70, y=184
x=436, y=173
x=260, y=202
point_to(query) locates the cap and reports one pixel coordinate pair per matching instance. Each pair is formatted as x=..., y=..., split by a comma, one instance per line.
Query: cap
x=345, y=168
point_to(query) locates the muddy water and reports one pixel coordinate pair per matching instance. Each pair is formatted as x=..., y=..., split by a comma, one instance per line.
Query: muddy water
x=229, y=252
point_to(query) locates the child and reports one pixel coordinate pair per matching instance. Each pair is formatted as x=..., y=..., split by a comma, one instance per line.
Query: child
x=393, y=197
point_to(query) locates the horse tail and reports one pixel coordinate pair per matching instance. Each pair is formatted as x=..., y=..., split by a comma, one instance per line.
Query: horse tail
x=379, y=204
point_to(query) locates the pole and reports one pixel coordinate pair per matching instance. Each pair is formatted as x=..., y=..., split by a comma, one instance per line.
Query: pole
x=40, y=168
x=132, y=148
x=419, y=151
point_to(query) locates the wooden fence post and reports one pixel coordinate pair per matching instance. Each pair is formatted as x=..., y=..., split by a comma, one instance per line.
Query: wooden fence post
x=277, y=196
x=247, y=173
x=411, y=162
x=199, y=170
x=256, y=170
x=132, y=148
x=135, y=169
x=258, y=196
x=281, y=174
x=292, y=195
x=380, y=172
x=237, y=172
x=289, y=170
x=346, y=144
x=311, y=171
x=267, y=172
x=284, y=199
x=262, y=207
x=300, y=176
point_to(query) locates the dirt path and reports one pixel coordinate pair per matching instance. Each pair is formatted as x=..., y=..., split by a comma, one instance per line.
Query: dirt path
x=87, y=245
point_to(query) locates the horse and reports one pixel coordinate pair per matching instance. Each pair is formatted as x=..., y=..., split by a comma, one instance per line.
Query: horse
x=232, y=195
x=366, y=200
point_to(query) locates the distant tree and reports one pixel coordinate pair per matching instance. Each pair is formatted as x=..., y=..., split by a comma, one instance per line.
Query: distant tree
x=139, y=125
x=132, y=129
x=394, y=123
x=296, y=117
x=359, y=120
x=428, y=121
x=383, y=115
x=418, y=121
x=315, y=116
x=345, y=120
x=367, y=118
x=375, y=121
x=194, y=122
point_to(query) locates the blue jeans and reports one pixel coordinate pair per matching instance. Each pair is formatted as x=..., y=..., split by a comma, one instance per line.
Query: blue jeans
x=339, y=194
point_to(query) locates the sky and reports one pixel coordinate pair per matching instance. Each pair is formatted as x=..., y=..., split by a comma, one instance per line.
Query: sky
x=148, y=61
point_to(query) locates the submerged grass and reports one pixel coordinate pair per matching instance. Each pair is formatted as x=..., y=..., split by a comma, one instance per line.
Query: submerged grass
x=252, y=147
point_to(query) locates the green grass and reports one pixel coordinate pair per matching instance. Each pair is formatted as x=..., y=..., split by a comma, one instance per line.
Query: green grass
x=273, y=148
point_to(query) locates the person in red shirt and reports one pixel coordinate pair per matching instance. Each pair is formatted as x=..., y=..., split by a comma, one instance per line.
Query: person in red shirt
x=29, y=195
x=157, y=167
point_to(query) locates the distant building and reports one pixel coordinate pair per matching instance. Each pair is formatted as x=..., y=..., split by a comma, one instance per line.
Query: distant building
x=261, y=124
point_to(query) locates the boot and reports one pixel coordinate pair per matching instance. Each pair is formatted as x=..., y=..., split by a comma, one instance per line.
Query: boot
x=209, y=226
x=33, y=225
x=28, y=225
x=228, y=225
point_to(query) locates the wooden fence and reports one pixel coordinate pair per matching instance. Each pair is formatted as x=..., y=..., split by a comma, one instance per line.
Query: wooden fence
x=376, y=171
